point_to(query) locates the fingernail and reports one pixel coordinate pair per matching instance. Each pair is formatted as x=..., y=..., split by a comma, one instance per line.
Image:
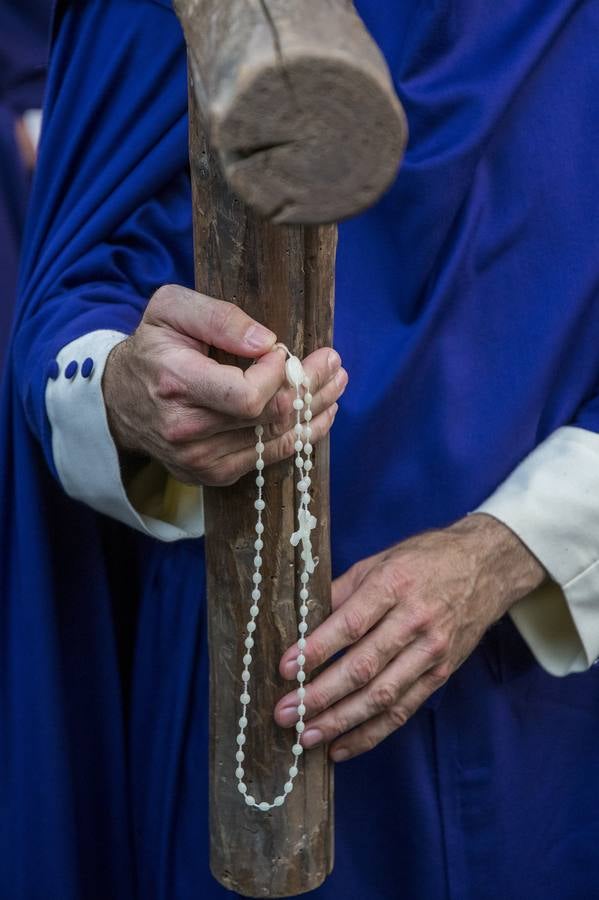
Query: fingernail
x=340, y=755
x=290, y=668
x=333, y=360
x=334, y=409
x=311, y=737
x=258, y=338
x=288, y=716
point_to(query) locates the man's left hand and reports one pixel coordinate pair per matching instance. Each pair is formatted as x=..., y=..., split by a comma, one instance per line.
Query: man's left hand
x=408, y=618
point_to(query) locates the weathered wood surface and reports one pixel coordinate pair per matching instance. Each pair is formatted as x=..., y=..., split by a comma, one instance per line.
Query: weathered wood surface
x=299, y=104
x=283, y=276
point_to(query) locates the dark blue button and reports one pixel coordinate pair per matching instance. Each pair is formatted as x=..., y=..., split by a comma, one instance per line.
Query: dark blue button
x=71, y=370
x=53, y=370
x=87, y=367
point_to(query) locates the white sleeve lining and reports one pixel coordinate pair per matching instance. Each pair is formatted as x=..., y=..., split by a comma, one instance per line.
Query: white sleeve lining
x=551, y=501
x=86, y=457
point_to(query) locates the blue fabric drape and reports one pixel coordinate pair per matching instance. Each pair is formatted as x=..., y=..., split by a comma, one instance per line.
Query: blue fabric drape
x=467, y=317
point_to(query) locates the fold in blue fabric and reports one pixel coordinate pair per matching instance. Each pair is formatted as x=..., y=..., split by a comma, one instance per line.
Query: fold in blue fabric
x=467, y=317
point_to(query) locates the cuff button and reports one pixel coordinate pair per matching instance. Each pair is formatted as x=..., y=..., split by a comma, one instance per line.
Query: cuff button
x=71, y=370
x=87, y=367
x=53, y=370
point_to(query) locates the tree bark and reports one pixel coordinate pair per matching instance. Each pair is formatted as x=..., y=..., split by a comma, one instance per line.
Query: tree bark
x=283, y=276
x=298, y=102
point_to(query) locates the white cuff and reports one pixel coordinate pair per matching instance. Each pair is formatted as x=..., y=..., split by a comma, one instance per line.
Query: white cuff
x=86, y=457
x=551, y=501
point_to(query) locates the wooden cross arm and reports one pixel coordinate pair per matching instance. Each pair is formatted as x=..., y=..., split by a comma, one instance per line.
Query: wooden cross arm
x=298, y=104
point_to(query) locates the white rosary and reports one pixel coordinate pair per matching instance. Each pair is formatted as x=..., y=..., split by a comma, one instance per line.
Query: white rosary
x=306, y=523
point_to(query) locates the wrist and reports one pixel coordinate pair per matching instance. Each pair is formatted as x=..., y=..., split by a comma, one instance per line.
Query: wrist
x=115, y=379
x=507, y=567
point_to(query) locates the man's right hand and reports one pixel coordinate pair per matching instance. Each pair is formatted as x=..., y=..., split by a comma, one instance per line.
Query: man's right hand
x=168, y=400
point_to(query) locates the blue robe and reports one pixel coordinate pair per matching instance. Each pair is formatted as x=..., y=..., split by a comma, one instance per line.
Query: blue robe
x=467, y=318
x=24, y=36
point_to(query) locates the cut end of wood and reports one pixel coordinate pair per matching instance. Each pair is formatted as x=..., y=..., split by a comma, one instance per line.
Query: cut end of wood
x=317, y=142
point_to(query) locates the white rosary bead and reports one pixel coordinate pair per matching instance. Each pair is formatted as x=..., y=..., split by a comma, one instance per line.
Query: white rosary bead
x=302, y=537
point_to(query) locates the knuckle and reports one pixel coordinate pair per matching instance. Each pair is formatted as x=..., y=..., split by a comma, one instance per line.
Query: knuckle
x=383, y=695
x=174, y=429
x=368, y=742
x=285, y=445
x=437, y=646
x=354, y=624
x=283, y=404
x=362, y=670
x=168, y=385
x=222, y=317
x=252, y=404
x=165, y=295
x=316, y=652
x=319, y=699
x=398, y=716
x=338, y=725
x=439, y=675
x=398, y=581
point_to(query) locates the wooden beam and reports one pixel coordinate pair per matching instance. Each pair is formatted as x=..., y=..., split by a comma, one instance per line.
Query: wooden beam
x=298, y=103
x=293, y=118
x=283, y=276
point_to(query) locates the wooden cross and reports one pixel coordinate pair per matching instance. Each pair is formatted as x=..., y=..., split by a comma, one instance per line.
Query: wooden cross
x=294, y=124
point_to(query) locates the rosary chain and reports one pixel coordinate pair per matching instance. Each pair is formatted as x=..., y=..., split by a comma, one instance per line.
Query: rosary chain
x=306, y=523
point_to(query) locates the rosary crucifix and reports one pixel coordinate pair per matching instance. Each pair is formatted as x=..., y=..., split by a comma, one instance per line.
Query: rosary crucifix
x=294, y=122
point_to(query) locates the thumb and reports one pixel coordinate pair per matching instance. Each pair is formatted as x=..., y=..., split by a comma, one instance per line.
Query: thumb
x=215, y=322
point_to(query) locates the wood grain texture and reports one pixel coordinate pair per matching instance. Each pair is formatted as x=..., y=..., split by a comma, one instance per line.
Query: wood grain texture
x=299, y=104
x=284, y=276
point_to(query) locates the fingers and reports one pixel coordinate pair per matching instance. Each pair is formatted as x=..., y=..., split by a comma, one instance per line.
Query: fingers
x=355, y=670
x=230, y=468
x=371, y=733
x=234, y=441
x=196, y=422
x=346, y=625
x=228, y=389
x=389, y=697
x=213, y=322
